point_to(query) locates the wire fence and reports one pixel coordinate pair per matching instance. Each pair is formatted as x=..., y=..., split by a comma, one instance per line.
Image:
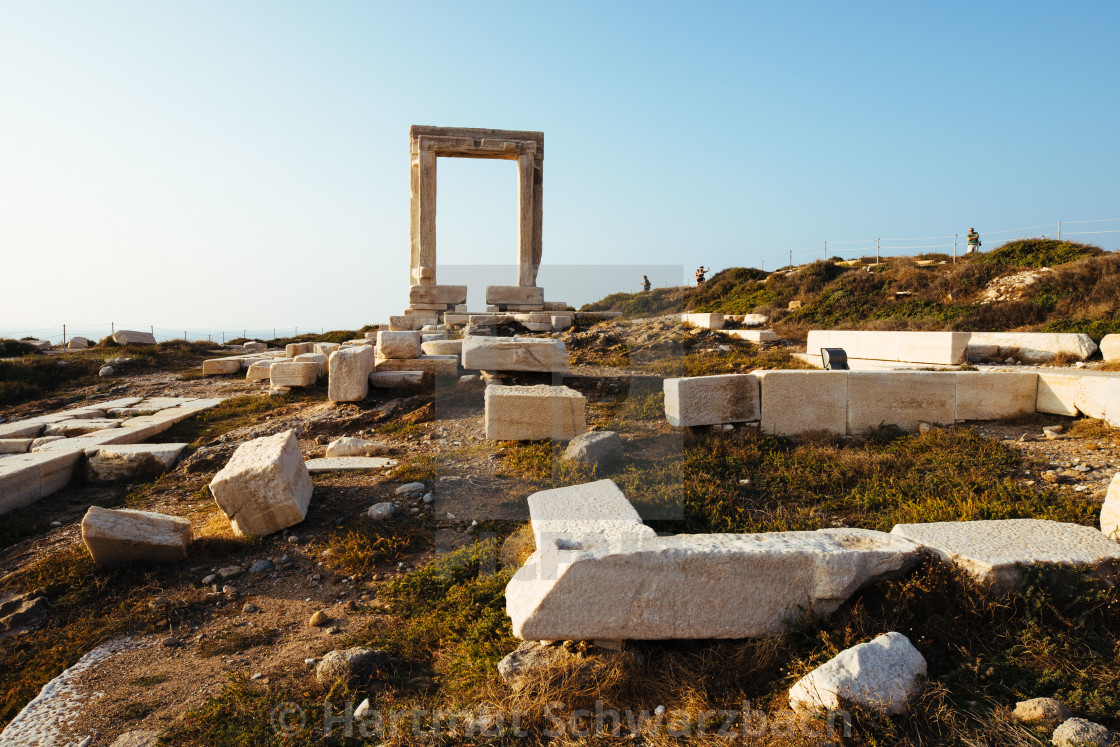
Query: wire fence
x=952, y=243
x=60, y=334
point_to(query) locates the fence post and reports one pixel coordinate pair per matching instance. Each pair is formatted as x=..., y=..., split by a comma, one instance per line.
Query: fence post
x=876, y=251
x=954, y=248
x=825, y=256
x=63, y=335
x=791, y=260
x=1059, y=230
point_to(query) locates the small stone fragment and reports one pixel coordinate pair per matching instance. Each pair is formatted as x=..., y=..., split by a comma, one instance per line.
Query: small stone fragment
x=319, y=619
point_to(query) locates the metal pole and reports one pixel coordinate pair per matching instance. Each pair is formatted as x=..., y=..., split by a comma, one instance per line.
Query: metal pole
x=63, y=335
x=1059, y=230
x=876, y=251
x=825, y=256
x=112, y=328
x=954, y=248
x=791, y=259
x=223, y=337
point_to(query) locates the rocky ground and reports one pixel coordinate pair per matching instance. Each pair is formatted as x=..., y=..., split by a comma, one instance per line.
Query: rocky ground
x=248, y=607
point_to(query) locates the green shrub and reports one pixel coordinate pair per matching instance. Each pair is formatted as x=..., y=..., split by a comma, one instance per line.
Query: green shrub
x=1038, y=253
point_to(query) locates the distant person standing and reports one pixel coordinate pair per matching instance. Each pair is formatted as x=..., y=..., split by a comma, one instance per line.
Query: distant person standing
x=700, y=273
x=645, y=284
x=973, y=241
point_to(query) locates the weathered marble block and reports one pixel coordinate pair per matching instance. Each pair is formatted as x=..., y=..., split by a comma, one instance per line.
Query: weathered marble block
x=515, y=354
x=116, y=536
x=711, y=400
x=796, y=403
x=294, y=373
x=218, y=366
x=534, y=413
x=398, y=345
x=349, y=370
x=265, y=486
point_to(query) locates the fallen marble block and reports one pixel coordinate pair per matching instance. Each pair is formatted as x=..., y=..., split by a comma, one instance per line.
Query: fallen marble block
x=711, y=400
x=591, y=548
x=77, y=343
x=1098, y=396
x=938, y=348
x=292, y=349
x=326, y=348
x=347, y=463
x=348, y=374
x=442, y=347
x=294, y=373
x=255, y=346
x=395, y=379
x=132, y=337
x=996, y=551
x=265, y=486
x=72, y=428
x=1110, y=510
x=1029, y=347
x=21, y=429
x=348, y=446
x=703, y=321
x=757, y=336
x=885, y=675
x=261, y=370
x=15, y=445
x=131, y=461
x=1110, y=347
x=534, y=413
x=515, y=354
x=218, y=366
x=115, y=536
x=438, y=366
x=398, y=345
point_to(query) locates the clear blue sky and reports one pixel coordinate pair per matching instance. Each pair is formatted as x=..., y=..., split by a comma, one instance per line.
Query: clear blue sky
x=244, y=164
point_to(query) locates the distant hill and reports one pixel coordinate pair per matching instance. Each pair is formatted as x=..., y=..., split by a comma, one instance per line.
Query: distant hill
x=1027, y=285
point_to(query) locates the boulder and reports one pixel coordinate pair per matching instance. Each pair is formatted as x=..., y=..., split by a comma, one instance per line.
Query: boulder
x=995, y=551
x=142, y=738
x=398, y=345
x=292, y=349
x=1078, y=732
x=349, y=665
x=515, y=354
x=1110, y=510
x=132, y=337
x=883, y=675
x=599, y=449
x=348, y=370
x=381, y=511
x=349, y=446
x=131, y=461
x=534, y=413
x=1110, y=347
x=77, y=343
x=106, y=372
x=1040, y=711
x=265, y=486
x=115, y=536
x=712, y=400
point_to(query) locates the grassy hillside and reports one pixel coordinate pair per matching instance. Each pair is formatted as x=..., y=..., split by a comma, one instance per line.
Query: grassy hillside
x=1079, y=293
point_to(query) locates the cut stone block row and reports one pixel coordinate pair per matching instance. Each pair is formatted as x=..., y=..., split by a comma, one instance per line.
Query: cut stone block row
x=1090, y=393
x=121, y=536
x=790, y=403
x=687, y=586
x=131, y=461
x=515, y=354
x=534, y=413
x=944, y=348
x=1030, y=347
x=265, y=486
